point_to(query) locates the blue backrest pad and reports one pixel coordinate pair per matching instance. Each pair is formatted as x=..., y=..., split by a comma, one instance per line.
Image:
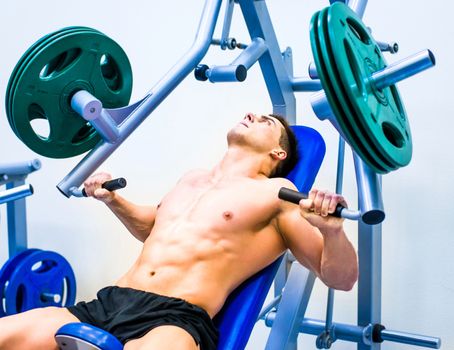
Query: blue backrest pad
x=239, y=314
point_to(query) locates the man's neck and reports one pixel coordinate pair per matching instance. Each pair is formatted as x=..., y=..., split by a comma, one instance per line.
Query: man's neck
x=241, y=162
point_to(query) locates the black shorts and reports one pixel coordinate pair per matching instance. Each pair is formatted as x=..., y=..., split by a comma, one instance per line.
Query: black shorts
x=129, y=314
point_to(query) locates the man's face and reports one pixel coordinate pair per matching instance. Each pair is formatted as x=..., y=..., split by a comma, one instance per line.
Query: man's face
x=258, y=130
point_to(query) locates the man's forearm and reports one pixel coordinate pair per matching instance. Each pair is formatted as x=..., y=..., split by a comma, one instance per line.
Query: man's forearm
x=339, y=264
x=138, y=220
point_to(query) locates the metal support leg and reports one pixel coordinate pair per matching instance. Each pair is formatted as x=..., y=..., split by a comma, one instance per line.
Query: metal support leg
x=369, y=250
x=290, y=314
x=274, y=70
x=369, y=285
x=17, y=222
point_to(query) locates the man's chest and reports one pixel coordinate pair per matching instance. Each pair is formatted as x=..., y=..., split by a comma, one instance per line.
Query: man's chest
x=235, y=204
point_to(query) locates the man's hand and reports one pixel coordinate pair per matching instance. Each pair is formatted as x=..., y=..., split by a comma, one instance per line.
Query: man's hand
x=93, y=187
x=317, y=207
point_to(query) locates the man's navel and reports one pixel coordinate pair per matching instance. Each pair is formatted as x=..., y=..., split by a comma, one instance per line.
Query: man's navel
x=227, y=215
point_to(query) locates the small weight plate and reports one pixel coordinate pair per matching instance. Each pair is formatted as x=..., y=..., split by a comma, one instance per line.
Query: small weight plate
x=36, y=275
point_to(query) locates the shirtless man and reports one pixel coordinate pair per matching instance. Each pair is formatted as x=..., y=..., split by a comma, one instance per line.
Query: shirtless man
x=211, y=232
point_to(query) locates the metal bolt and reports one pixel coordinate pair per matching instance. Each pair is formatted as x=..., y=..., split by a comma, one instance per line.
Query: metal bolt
x=55, y=298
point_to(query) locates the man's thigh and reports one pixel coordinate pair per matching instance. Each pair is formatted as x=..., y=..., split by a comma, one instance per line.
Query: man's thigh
x=33, y=329
x=164, y=338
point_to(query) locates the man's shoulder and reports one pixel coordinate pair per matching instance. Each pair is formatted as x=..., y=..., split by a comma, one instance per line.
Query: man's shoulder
x=281, y=182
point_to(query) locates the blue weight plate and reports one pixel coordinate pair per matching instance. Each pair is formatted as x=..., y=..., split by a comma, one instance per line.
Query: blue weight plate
x=36, y=274
x=6, y=272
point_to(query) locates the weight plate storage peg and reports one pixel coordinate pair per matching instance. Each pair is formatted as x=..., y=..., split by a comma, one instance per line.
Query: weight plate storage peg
x=38, y=98
x=38, y=279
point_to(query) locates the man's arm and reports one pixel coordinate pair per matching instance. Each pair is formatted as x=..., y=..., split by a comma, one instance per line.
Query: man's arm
x=318, y=241
x=139, y=220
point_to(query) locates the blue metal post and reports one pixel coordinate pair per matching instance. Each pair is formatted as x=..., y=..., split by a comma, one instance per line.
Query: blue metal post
x=15, y=193
x=358, y=6
x=359, y=334
x=293, y=305
x=369, y=250
x=17, y=222
x=274, y=71
x=227, y=23
x=403, y=69
x=13, y=175
x=339, y=185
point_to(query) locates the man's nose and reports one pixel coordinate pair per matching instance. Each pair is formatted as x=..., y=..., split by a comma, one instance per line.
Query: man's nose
x=250, y=117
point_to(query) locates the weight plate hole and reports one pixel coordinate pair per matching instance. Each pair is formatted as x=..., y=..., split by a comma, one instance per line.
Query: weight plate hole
x=38, y=121
x=398, y=101
x=43, y=266
x=58, y=64
x=393, y=135
x=20, y=298
x=355, y=68
x=110, y=72
x=358, y=30
x=84, y=132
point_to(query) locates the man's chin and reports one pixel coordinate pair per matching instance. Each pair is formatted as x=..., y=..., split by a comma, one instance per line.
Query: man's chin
x=235, y=136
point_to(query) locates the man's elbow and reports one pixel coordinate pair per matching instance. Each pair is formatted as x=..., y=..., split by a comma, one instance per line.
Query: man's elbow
x=345, y=283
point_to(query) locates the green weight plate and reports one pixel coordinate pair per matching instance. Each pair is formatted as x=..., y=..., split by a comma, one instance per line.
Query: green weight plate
x=371, y=155
x=39, y=113
x=22, y=63
x=18, y=69
x=334, y=95
x=382, y=112
x=77, y=60
x=348, y=134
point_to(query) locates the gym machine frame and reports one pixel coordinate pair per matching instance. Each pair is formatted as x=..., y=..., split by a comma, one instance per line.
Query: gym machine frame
x=13, y=176
x=30, y=278
x=115, y=125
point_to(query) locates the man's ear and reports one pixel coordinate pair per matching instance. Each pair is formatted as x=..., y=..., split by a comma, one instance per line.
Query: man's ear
x=278, y=154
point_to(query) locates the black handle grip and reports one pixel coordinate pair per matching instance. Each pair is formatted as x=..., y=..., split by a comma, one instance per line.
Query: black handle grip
x=294, y=197
x=111, y=185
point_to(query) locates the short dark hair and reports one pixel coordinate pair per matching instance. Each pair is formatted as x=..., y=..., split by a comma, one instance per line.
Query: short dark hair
x=289, y=144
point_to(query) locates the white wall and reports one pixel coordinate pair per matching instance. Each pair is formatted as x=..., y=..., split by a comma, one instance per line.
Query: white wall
x=188, y=130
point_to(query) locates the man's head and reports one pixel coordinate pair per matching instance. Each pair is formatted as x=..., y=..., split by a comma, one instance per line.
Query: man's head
x=268, y=134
